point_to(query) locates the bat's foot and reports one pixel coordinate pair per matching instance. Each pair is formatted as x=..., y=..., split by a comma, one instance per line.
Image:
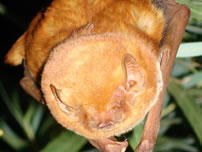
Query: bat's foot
x=108, y=145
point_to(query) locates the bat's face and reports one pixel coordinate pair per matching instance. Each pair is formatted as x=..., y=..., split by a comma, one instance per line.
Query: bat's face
x=100, y=86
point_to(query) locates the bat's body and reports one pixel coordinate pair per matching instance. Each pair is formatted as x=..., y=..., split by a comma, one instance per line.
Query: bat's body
x=104, y=74
x=96, y=62
x=64, y=18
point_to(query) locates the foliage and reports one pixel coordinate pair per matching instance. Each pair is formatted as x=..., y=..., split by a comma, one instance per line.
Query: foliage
x=26, y=125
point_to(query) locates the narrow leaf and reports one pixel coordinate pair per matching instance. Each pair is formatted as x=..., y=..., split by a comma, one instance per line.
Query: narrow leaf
x=192, y=79
x=38, y=115
x=166, y=143
x=16, y=114
x=29, y=112
x=46, y=125
x=190, y=49
x=66, y=141
x=136, y=135
x=188, y=105
x=11, y=138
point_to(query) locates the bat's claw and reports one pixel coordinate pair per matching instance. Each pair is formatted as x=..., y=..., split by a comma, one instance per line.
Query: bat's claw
x=108, y=145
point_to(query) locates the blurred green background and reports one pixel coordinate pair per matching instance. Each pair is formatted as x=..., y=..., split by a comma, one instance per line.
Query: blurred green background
x=26, y=125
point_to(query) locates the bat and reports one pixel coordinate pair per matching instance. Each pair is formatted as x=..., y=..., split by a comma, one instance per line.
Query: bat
x=95, y=64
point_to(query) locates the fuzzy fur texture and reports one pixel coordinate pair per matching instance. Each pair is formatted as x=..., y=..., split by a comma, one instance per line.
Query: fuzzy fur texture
x=78, y=45
x=87, y=83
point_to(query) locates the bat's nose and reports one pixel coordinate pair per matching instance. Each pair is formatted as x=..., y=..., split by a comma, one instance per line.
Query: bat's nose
x=103, y=120
x=105, y=124
x=107, y=119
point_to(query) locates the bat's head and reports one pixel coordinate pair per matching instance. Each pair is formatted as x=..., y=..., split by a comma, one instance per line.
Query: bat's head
x=103, y=85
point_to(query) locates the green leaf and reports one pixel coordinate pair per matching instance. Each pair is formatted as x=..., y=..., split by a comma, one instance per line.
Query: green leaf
x=180, y=68
x=194, y=29
x=192, y=80
x=11, y=107
x=46, y=125
x=195, y=92
x=29, y=113
x=166, y=123
x=192, y=49
x=37, y=117
x=17, y=114
x=2, y=9
x=136, y=135
x=168, y=109
x=11, y=138
x=15, y=101
x=34, y=115
x=165, y=143
x=91, y=150
x=66, y=141
x=188, y=105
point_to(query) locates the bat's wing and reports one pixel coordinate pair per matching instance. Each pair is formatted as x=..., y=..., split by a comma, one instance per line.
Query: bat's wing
x=177, y=17
x=16, y=54
x=29, y=85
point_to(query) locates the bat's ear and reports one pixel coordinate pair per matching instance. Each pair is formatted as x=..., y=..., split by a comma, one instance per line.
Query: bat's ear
x=65, y=108
x=134, y=75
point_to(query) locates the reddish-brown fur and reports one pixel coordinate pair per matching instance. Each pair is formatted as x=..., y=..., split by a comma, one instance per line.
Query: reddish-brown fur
x=96, y=35
x=63, y=18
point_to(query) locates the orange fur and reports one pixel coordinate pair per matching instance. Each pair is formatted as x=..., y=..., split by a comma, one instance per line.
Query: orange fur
x=16, y=53
x=80, y=44
x=87, y=82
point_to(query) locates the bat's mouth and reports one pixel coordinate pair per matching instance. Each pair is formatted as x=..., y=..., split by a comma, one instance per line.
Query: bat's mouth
x=105, y=120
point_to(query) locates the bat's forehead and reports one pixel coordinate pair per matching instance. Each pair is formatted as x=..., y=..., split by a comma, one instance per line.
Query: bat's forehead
x=87, y=72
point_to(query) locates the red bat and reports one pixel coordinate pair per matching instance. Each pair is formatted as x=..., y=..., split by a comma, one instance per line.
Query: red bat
x=97, y=65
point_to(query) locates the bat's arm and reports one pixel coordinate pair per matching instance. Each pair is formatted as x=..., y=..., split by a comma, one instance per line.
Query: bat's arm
x=178, y=16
